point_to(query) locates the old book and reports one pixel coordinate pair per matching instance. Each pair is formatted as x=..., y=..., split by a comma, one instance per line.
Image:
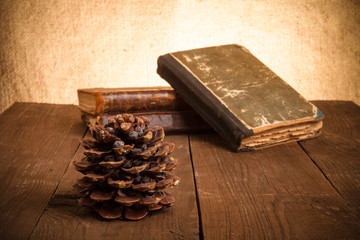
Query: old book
x=144, y=99
x=241, y=98
x=160, y=104
x=173, y=122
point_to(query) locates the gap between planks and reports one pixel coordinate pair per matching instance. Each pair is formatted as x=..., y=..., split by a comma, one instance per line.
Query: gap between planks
x=201, y=232
x=322, y=172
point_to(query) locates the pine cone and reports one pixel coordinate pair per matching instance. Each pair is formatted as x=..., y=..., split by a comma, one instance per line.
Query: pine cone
x=126, y=169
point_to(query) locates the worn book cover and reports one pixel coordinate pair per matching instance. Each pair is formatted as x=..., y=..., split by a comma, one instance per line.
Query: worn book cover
x=240, y=97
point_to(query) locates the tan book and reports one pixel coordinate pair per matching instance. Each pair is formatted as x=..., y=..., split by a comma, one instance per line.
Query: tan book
x=241, y=98
x=137, y=99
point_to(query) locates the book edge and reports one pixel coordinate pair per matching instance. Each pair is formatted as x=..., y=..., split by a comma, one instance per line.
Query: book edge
x=83, y=104
x=280, y=142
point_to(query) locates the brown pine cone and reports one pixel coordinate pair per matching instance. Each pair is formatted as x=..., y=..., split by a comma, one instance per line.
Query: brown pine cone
x=126, y=169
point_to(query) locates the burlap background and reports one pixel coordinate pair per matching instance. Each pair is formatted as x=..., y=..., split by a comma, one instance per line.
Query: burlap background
x=50, y=48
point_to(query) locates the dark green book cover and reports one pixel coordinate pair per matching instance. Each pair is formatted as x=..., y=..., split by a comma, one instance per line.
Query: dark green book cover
x=237, y=94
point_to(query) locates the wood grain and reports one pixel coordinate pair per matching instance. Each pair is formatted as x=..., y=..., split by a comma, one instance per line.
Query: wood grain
x=64, y=219
x=337, y=151
x=306, y=191
x=37, y=143
x=275, y=193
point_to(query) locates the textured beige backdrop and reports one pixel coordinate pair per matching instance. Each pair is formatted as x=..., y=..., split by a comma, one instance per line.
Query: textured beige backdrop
x=50, y=48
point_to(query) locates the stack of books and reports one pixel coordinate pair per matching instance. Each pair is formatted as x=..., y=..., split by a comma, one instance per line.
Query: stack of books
x=223, y=88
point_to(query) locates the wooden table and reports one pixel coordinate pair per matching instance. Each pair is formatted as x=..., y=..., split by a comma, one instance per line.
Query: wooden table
x=305, y=190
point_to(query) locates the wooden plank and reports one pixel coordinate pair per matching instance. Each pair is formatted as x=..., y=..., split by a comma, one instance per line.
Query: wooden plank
x=66, y=220
x=337, y=151
x=274, y=193
x=36, y=145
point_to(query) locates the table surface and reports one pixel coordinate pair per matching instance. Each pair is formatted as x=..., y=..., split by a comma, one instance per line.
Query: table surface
x=302, y=190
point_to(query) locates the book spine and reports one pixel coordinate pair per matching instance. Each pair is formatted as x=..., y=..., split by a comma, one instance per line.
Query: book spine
x=207, y=106
x=173, y=122
x=138, y=101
